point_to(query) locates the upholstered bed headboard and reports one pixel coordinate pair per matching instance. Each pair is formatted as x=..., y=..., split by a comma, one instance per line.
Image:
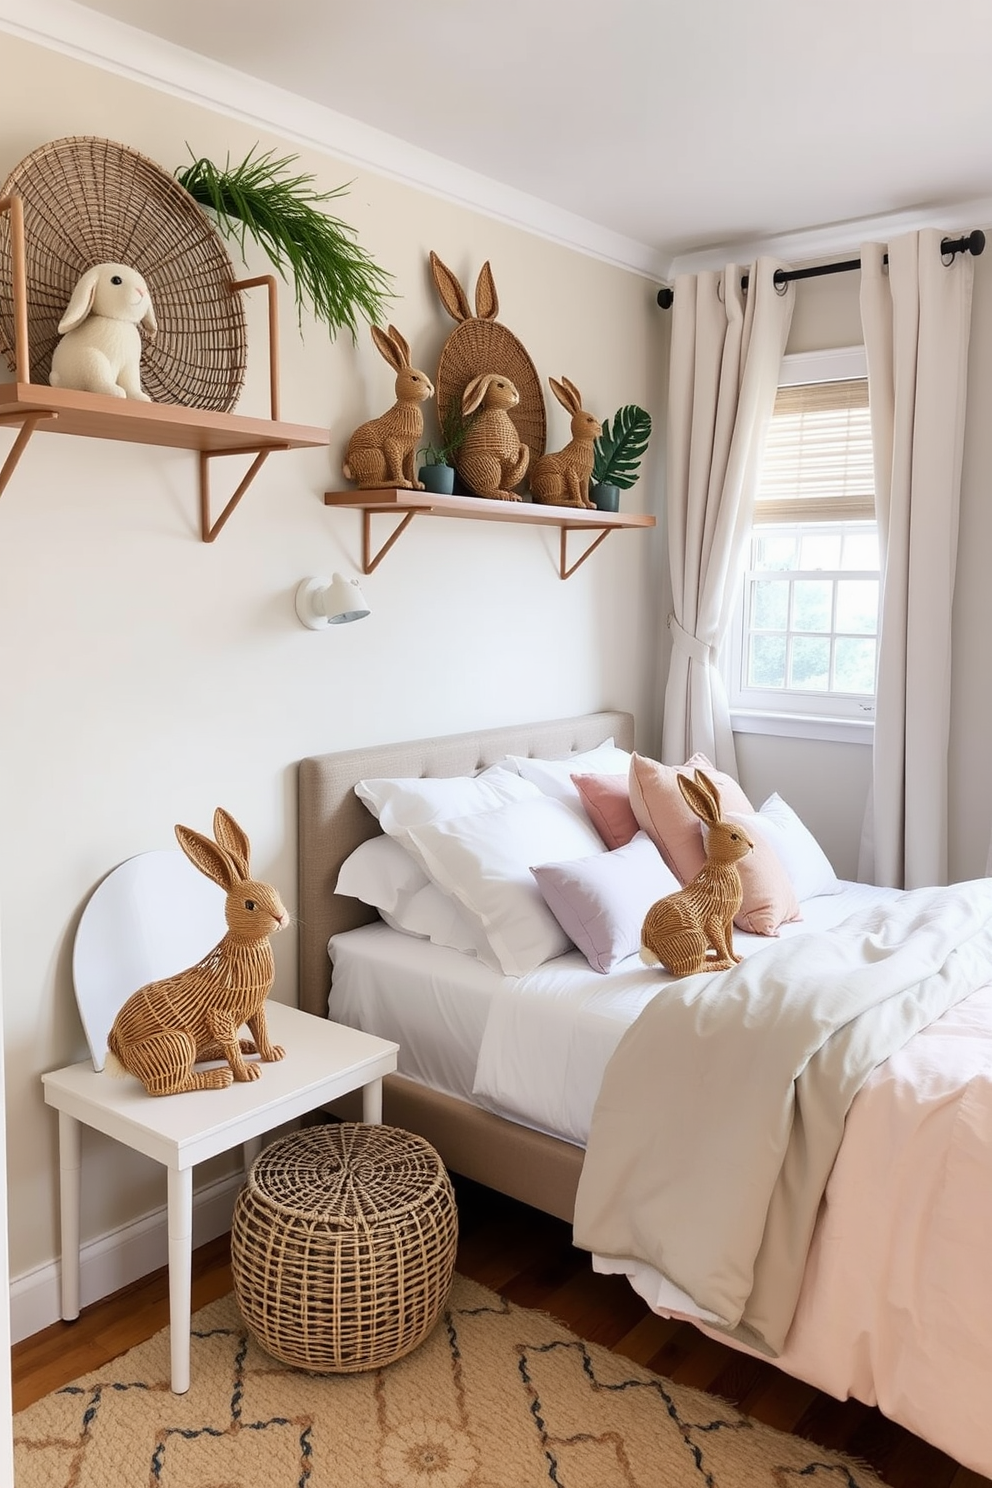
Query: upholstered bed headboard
x=333, y=821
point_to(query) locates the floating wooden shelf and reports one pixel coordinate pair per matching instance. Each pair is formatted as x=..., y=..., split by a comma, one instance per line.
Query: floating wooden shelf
x=409, y=504
x=65, y=411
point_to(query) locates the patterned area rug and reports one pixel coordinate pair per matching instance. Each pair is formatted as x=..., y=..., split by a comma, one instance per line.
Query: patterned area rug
x=497, y=1397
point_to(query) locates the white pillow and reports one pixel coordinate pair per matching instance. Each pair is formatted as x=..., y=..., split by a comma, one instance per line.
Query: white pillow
x=435, y=916
x=807, y=865
x=484, y=860
x=554, y=777
x=384, y=875
x=404, y=804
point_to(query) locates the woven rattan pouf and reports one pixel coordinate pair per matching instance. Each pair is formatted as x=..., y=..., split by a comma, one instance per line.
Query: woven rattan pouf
x=343, y=1246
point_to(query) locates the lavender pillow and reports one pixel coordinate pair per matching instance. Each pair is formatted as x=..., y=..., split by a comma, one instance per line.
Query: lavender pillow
x=600, y=902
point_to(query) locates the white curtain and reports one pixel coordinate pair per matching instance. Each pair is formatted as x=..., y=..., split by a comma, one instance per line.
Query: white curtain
x=726, y=358
x=916, y=318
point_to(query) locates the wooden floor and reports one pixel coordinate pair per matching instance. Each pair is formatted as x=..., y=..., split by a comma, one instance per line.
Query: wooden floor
x=529, y=1258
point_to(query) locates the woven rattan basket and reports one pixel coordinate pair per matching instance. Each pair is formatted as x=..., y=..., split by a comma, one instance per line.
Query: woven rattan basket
x=343, y=1246
x=90, y=201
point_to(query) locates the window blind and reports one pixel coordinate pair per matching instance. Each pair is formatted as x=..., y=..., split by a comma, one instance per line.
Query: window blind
x=817, y=462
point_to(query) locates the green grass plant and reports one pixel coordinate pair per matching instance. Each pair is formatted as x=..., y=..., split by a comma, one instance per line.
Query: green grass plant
x=329, y=269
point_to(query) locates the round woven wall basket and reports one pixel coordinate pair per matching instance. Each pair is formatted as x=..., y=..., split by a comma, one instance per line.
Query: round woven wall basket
x=343, y=1246
x=89, y=201
x=480, y=346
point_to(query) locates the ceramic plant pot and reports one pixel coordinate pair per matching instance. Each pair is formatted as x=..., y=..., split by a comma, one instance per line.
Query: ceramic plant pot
x=605, y=497
x=438, y=478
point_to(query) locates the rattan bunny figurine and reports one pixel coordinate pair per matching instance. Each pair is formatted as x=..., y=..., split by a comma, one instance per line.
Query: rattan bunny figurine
x=100, y=349
x=680, y=930
x=381, y=452
x=166, y=1027
x=492, y=457
x=561, y=478
x=479, y=343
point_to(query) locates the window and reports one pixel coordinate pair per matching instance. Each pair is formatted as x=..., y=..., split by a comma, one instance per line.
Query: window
x=806, y=636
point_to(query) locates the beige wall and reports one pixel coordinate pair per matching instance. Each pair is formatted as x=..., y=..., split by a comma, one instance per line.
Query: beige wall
x=146, y=677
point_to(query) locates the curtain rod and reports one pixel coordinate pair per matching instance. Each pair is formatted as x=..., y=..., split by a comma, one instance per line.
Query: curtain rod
x=973, y=242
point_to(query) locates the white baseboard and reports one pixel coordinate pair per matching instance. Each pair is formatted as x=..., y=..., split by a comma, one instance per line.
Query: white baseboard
x=116, y=1259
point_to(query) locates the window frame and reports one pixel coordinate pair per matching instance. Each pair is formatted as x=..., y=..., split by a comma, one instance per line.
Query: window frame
x=845, y=717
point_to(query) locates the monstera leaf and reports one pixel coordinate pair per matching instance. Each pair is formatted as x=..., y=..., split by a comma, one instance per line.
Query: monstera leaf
x=618, y=450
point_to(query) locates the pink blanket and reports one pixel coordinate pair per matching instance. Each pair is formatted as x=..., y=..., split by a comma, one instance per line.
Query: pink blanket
x=896, y=1302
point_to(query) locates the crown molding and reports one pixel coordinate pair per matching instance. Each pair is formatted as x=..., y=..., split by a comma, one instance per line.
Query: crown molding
x=101, y=41
x=837, y=238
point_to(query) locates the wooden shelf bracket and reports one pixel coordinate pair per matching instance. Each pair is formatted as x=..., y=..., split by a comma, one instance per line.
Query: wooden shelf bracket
x=564, y=569
x=370, y=563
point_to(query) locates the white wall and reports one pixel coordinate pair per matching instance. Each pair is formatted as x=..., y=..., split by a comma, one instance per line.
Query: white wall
x=146, y=677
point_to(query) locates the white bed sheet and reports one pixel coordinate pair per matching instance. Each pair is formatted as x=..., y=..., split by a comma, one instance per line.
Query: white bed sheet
x=455, y=1018
x=549, y=1035
x=432, y=1001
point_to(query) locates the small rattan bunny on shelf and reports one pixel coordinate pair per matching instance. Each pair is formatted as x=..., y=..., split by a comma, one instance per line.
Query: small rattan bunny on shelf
x=381, y=452
x=166, y=1027
x=561, y=477
x=680, y=930
x=493, y=458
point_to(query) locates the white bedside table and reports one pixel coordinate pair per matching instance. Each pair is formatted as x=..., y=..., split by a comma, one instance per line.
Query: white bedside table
x=323, y=1061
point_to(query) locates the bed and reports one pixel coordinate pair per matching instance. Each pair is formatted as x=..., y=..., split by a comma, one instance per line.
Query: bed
x=896, y=1289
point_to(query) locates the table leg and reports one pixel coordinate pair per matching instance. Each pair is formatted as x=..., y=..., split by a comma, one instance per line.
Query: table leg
x=250, y=1150
x=69, y=1164
x=180, y=1274
x=372, y=1102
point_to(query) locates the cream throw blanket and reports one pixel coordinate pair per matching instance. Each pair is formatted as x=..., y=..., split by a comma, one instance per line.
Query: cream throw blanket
x=722, y=1109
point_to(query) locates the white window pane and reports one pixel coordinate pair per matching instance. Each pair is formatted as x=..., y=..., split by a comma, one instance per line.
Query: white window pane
x=812, y=603
x=857, y=606
x=776, y=551
x=820, y=550
x=770, y=604
x=860, y=550
x=809, y=666
x=854, y=665
x=767, y=662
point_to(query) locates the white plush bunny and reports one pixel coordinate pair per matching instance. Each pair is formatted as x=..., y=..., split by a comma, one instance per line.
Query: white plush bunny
x=100, y=350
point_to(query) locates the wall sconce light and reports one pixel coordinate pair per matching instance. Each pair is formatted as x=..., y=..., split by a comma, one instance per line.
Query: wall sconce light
x=319, y=603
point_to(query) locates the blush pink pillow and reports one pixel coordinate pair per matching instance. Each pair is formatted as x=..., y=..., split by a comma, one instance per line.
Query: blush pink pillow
x=606, y=799
x=660, y=810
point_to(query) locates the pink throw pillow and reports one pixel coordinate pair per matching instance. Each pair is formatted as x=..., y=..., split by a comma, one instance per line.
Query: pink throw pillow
x=677, y=832
x=606, y=799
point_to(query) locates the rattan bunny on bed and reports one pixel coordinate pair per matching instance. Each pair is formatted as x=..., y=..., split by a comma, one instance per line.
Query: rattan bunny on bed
x=166, y=1027
x=680, y=930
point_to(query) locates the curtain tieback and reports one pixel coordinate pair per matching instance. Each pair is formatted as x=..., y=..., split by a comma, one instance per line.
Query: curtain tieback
x=690, y=645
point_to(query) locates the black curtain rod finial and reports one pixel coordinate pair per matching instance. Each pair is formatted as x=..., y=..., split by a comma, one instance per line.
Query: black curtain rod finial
x=666, y=297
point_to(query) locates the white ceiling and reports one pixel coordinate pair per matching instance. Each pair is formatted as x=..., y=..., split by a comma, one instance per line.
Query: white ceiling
x=680, y=124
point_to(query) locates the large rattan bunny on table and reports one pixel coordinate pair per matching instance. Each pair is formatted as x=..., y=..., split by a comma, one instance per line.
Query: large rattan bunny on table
x=681, y=930
x=166, y=1027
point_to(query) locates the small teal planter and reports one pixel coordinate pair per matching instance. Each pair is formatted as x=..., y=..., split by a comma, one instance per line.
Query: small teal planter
x=438, y=478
